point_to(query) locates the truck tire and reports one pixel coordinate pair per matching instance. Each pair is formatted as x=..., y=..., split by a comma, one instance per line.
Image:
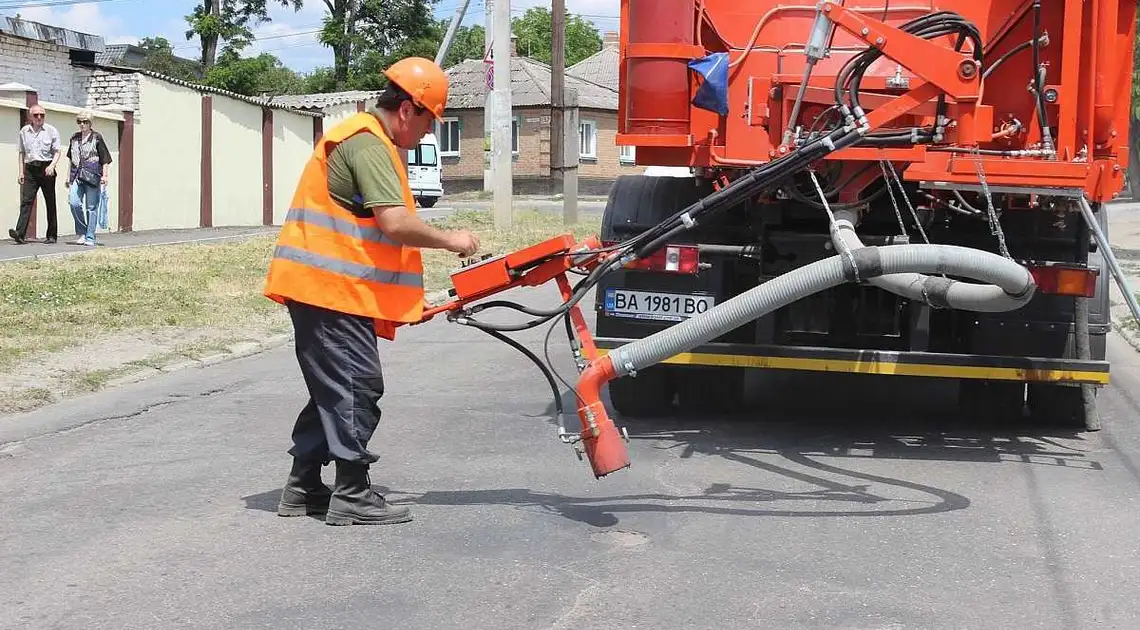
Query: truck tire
x=1057, y=406
x=427, y=202
x=709, y=390
x=637, y=203
x=648, y=394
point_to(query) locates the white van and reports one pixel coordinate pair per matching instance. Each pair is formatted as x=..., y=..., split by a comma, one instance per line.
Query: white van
x=425, y=173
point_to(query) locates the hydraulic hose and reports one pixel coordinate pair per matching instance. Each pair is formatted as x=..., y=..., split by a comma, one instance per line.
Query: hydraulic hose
x=603, y=443
x=1012, y=288
x=871, y=263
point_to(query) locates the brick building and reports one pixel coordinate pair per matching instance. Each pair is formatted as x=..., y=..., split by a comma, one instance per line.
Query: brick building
x=600, y=160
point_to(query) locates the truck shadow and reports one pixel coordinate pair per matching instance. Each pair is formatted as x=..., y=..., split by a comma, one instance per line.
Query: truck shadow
x=778, y=446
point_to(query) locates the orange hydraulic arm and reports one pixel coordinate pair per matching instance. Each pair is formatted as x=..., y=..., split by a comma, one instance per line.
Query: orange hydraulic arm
x=535, y=265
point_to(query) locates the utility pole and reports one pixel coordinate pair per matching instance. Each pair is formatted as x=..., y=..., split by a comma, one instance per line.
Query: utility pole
x=488, y=102
x=501, y=129
x=570, y=159
x=446, y=45
x=557, y=99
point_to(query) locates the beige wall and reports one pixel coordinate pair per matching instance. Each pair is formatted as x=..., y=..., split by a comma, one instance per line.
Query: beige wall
x=237, y=169
x=62, y=117
x=292, y=146
x=9, y=188
x=336, y=113
x=168, y=156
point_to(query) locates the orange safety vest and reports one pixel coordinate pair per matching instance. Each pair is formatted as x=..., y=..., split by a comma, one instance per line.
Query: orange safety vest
x=328, y=257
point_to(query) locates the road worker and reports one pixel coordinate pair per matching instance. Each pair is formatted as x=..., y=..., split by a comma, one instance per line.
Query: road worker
x=347, y=267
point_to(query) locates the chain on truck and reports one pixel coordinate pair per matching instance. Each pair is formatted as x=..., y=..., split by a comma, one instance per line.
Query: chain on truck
x=895, y=188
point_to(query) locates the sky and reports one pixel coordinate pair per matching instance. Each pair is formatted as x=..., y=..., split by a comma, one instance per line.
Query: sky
x=290, y=35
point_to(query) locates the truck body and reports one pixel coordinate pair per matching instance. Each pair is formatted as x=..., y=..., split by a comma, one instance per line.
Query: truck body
x=997, y=162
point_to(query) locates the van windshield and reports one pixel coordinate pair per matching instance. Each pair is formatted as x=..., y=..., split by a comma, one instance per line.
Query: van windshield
x=423, y=155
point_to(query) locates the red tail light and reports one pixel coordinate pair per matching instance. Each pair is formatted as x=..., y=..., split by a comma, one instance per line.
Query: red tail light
x=1064, y=279
x=669, y=259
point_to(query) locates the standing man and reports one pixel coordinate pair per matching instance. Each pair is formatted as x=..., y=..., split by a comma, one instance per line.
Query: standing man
x=347, y=266
x=39, y=152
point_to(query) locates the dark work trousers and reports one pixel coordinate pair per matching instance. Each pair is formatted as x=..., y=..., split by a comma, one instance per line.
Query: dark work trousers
x=341, y=364
x=34, y=181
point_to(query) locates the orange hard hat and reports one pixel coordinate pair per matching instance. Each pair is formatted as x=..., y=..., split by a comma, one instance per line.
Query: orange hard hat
x=423, y=80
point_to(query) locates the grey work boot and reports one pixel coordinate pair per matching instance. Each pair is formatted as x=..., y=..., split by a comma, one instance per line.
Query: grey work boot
x=304, y=492
x=354, y=502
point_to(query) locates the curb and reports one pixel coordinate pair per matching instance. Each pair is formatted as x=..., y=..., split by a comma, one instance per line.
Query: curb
x=234, y=351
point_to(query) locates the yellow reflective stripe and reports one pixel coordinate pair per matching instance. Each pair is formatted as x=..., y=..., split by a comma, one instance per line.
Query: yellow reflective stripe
x=343, y=267
x=886, y=368
x=355, y=230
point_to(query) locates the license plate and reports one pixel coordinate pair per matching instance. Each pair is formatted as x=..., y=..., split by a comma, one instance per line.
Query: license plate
x=653, y=305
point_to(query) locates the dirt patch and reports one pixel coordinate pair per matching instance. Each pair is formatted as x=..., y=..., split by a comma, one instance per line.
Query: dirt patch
x=99, y=363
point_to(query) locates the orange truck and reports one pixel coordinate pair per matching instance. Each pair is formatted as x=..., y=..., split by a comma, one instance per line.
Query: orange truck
x=997, y=126
x=906, y=188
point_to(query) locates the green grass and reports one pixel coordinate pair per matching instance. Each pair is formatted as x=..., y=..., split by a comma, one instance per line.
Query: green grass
x=527, y=228
x=53, y=304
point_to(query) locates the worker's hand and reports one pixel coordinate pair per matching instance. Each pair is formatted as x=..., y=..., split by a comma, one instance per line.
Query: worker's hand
x=463, y=242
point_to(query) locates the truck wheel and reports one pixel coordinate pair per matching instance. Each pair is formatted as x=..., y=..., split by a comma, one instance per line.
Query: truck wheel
x=709, y=390
x=427, y=202
x=992, y=401
x=1057, y=405
x=637, y=203
x=650, y=393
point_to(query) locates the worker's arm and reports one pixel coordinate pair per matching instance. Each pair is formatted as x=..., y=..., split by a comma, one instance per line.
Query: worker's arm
x=408, y=229
x=378, y=182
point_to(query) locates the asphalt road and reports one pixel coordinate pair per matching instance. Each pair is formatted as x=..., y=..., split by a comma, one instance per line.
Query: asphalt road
x=818, y=509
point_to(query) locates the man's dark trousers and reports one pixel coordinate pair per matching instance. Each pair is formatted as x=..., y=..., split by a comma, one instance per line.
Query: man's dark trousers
x=35, y=180
x=339, y=359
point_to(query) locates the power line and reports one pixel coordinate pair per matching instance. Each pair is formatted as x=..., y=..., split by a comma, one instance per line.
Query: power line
x=8, y=6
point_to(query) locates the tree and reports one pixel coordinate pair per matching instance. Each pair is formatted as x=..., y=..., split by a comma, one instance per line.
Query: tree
x=253, y=76
x=229, y=21
x=468, y=43
x=535, y=36
x=159, y=57
x=378, y=26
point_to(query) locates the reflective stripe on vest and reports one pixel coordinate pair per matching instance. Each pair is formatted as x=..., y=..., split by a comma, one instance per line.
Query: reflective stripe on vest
x=328, y=257
x=364, y=272
x=371, y=233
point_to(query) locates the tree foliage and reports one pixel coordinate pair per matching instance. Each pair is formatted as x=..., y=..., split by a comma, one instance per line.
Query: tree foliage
x=361, y=32
x=253, y=76
x=160, y=58
x=229, y=21
x=535, y=31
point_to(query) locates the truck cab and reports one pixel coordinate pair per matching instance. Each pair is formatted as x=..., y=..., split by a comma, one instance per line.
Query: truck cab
x=425, y=172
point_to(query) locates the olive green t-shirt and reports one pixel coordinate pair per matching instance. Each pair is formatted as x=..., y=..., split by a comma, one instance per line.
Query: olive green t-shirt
x=361, y=174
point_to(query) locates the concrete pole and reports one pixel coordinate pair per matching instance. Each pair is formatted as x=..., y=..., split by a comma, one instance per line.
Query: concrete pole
x=488, y=102
x=557, y=85
x=451, y=28
x=570, y=159
x=501, y=129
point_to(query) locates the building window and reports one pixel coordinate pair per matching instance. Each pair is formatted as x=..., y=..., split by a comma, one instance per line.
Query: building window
x=448, y=135
x=588, y=140
x=626, y=155
x=516, y=128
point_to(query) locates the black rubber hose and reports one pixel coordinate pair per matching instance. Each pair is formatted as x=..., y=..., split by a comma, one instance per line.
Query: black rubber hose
x=530, y=355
